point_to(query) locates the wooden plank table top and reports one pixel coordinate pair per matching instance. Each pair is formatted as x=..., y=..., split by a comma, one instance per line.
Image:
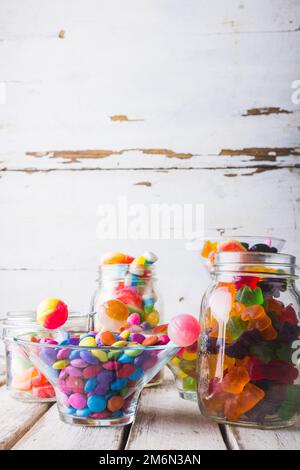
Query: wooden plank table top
x=164, y=421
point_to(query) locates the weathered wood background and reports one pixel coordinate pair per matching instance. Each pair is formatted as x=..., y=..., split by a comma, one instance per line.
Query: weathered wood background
x=159, y=100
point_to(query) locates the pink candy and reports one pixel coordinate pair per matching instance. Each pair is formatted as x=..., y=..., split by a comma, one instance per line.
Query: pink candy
x=183, y=330
x=134, y=319
x=77, y=400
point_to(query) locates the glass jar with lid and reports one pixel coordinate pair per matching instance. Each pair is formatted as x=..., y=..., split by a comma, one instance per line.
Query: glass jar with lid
x=249, y=348
x=122, y=296
x=25, y=381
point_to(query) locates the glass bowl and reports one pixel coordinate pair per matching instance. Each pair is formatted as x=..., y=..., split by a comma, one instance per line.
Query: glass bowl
x=96, y=386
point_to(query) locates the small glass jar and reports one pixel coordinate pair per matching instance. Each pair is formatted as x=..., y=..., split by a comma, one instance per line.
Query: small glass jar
x=138, y=293
x=249, y=346
x=25, y=381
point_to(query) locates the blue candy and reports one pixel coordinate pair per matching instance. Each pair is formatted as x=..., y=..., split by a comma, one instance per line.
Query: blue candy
x=69, y=410
x=96, y=403
x=124, y=359
x=75, y=354
x=83, y=413
x=137, y=374
x=90, y=384
x=118, y=384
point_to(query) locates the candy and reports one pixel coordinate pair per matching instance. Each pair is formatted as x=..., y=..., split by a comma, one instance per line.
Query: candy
x=52, y=313
x=96, y=403
x=235, y=380
x=241, y=347
x=115, y=403
x=113, y=314
x=243, y=402
x=248, y=296
x=116, y=258
x=183, y=330
x=77, y=401
x=291, y=405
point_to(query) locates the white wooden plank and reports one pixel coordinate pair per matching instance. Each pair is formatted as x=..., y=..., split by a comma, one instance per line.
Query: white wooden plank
x=183, y=81
x=18, y=417
x=51, y=221
x=166, y=421
x=50, y=433
x=254, y=439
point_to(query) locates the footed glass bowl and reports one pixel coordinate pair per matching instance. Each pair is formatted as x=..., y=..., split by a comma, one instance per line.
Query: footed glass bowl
x=96, y=386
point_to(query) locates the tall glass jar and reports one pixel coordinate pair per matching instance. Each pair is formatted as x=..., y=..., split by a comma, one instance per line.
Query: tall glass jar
x=139, y=294
x=249, y=348
x=23, y=380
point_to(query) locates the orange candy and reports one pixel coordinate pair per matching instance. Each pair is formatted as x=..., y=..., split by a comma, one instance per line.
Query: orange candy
x=216, y=370
x=116, y=310
x=116, y=258
x=150, y=340
x=107, y=338
x=245, y=401
x=115, y=403
x=235, y=380
x=208, y=247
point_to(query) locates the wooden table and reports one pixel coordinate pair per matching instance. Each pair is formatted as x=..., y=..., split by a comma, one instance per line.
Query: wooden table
x=164, y=422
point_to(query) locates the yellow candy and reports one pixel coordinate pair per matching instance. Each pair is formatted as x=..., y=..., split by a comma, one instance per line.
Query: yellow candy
x=88, y=341
x=189, y=356
x=60, y=364
x=152, y=318
x=99, y=354
x=175, y=361
x=125, y=334
x=119, y=344
x=140, y=260
x=182, y=375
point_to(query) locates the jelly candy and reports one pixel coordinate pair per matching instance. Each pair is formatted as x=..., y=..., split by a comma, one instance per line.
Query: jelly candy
x=52, y=313
x=131, y=298
x=250, y=281
x=288, y=332
x=288, y=315
x=208, y=247
x=243, y=402
x=184, y=330
x=274, y=396
x=230, y=245
x=278, y=371
x=265, y=351
x=116, y=258
x=235, y=380
x=291, y=405
x=218, y=364
x=272, y=287
x=263, y=248
x=248, y=296
x=236, y=327
x=241, y=347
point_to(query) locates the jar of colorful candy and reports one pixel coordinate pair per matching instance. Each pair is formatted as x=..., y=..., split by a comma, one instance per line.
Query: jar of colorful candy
x=25, y=381
x=127, y=296
x=249, y=346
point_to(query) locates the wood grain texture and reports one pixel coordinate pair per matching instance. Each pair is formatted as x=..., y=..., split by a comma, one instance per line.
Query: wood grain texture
x=254, y=439
x=166, y=421
x=50, y=433
x=18, y=418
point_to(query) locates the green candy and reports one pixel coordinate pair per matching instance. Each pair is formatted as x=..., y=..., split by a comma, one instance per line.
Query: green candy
x=265, y=351
x=114, y=354
x=189, y=384
x=248, y=296
x=124, y=392
x=236, y=327
x=285, y=352
x=291, y=405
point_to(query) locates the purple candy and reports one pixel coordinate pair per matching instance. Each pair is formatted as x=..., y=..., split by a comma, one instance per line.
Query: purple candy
x=138, y=360
x=79, y=363
x=73, y=371
x=105, y=376
x=48, y=355
x=74, y=341
x=88, y=357
x=77, y=400
x=146, y=325
x=102, y=388
x=63, y=353
x=137, y=338
x=149, y=363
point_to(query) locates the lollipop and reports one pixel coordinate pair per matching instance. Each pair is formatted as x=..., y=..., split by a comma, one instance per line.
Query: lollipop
x=52, y=313
x=183, y=330
x=113, y=315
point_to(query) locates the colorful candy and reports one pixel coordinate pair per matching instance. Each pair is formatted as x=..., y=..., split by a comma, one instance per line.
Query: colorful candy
x=184, y=330
x=52, y=313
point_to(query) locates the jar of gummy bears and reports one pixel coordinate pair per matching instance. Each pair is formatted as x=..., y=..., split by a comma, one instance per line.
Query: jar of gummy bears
x=124, y=299
x=23, y=380
x=249, y=348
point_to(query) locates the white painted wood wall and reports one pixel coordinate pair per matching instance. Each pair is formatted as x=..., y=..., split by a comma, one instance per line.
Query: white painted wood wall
x=191, y=98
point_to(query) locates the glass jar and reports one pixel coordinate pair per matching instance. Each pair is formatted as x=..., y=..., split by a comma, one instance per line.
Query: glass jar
x=25, y=381
x=249, y=348
x=138, y=293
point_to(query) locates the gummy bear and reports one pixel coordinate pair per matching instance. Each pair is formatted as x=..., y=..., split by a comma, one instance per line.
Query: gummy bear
x=261, y=321
x=288, y=332
x=265, y=351
x=275, y=395
x=248, y=296
x=208, y=248
x=272, y=287
x=231, y=245
x=236, y=327
x=217, y=364
x=276, y=370
x=288, y=315
x=250, y=281
x=245, y=401
x=292, y=403
x=235, y=380
x=241, y=347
